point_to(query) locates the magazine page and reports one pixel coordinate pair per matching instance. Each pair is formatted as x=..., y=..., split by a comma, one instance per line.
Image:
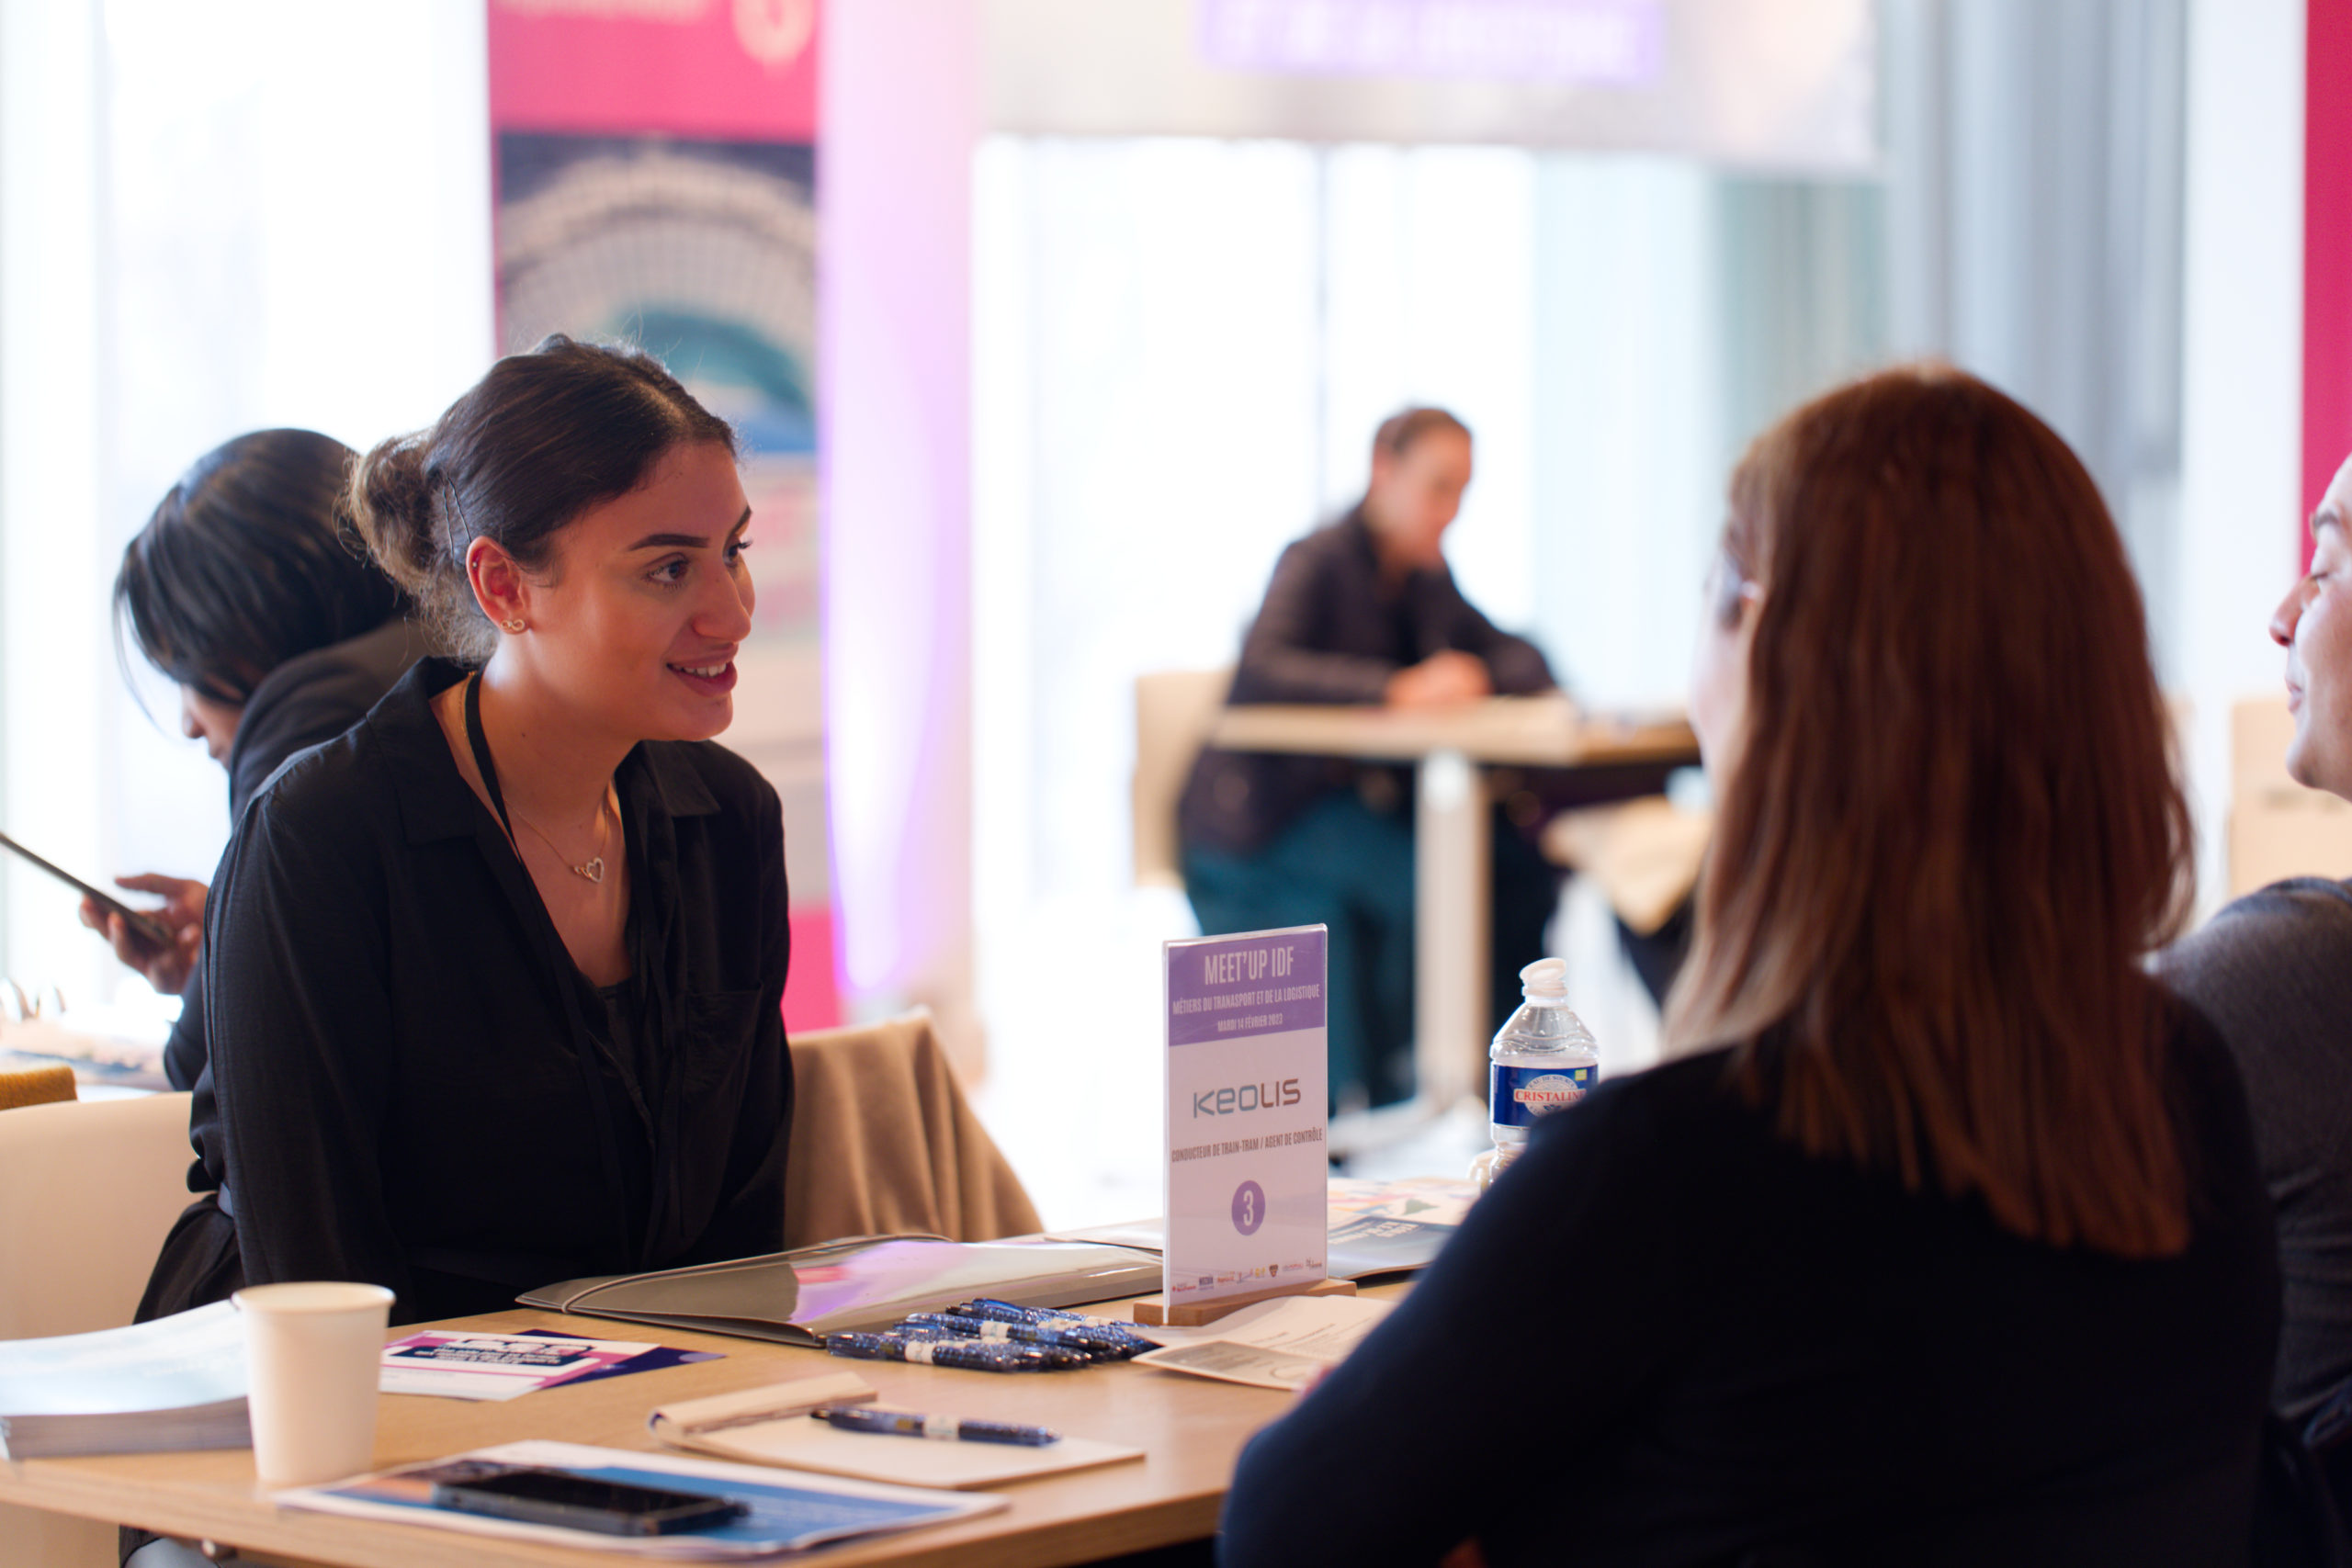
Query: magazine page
x=496, y=1366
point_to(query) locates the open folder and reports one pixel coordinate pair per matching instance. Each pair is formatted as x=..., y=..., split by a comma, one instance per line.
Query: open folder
x=868, y=1283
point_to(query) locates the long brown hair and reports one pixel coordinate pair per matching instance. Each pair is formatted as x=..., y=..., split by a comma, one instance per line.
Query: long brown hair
x=1952, y=827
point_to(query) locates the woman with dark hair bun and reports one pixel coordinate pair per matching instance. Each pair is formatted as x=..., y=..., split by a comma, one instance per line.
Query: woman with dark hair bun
x=496, y=975
x=246, y=590
x=1939, y=1238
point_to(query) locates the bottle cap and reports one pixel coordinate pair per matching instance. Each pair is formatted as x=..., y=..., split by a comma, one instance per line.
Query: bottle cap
x=1546, y=978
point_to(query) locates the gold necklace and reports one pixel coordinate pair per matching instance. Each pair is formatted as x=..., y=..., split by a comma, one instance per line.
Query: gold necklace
x=592, y=869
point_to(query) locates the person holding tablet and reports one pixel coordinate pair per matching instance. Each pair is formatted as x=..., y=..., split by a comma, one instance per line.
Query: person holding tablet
x=245, y=591
x=495, y=976
x=1940, y=1238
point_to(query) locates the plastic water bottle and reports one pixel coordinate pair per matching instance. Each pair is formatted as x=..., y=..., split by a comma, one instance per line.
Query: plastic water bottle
x=1543, y=1058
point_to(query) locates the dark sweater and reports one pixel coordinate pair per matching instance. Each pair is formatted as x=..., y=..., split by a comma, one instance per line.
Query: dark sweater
x=398, y=1091
x=1667, y=1337
x=310, y=698
x=1331, y=631
x=2274, y=973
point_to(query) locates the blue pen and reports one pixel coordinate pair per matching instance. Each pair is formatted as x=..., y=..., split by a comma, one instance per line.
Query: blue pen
x=984, y=1310
x=971, y=1355
x=1056, y=1357
x=1006, y=1312
x=946, y=1429
x=1101, y=1344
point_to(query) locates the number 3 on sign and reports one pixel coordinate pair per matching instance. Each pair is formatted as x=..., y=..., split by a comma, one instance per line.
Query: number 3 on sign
x=1249, y=1208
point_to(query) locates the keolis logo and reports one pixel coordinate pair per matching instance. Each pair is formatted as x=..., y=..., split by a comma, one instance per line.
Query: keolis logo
x=1245, y=1097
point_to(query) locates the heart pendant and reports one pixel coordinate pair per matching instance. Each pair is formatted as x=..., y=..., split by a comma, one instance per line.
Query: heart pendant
x=593, y=871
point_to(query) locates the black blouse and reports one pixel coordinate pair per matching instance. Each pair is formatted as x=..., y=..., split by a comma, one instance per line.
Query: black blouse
x=401, y=1090
x=312, y=697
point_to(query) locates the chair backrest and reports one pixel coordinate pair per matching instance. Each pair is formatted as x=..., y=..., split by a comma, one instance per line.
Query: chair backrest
x=1175, y=710
x=2277, y=827
x=87, y=1191
x=44, y=1085
x=884, y=1141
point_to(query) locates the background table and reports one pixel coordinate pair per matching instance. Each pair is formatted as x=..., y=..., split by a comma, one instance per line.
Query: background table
x=1190, y=1428
x=1449, y=747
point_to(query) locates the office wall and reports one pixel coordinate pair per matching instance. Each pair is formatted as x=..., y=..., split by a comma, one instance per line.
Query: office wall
x=657, y=178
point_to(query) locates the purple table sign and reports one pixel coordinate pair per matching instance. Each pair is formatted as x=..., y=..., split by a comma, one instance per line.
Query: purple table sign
x=1248, y=1082
x=1265, y=983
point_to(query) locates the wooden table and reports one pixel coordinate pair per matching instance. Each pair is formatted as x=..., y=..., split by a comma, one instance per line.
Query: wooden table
x=1191, y=1428
x=1449, y=747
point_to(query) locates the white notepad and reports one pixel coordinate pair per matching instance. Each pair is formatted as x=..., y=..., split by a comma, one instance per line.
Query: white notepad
x=771, y=1426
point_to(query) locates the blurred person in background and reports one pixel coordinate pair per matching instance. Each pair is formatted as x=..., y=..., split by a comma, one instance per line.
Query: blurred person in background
x=246, y=590
x=1363, y=611
x=1940, y=1238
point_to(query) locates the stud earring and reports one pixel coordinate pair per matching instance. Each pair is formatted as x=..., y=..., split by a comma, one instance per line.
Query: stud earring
x=516, y=624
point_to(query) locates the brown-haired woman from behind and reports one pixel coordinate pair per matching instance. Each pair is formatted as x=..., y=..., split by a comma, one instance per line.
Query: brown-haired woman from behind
x=1941, y=1239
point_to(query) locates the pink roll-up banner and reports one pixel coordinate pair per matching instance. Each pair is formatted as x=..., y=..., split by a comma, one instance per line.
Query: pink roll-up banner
x=655, y=181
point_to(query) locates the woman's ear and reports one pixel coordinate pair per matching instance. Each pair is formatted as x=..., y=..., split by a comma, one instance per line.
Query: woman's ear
x=1732, y=595
x=498, y=585
x=1745, y=601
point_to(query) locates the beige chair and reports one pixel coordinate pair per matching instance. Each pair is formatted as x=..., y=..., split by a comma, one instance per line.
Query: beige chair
x=882, y=1141
x=87, y=1191
x=2277, y=827
x=1643, y=855
x=36, y=1085
x=1175, y=710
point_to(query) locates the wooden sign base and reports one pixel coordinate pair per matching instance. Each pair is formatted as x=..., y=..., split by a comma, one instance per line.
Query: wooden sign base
x=1155, y=1310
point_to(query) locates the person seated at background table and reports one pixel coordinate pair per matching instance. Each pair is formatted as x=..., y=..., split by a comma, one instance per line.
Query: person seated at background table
x=2274, y=972
x=1363, y=610
x=495, y=976
x=1942, y=1241
x=245, y=591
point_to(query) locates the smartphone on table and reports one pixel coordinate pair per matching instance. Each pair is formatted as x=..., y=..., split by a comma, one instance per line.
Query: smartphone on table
x=151, y=928
x=584, y=1503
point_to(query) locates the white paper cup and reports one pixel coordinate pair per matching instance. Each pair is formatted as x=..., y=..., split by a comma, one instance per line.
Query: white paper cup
x=312, y=1351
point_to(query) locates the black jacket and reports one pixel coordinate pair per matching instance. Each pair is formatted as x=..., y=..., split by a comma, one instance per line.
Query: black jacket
x=398, y=1092
x=310, y=698
x=1331, y=631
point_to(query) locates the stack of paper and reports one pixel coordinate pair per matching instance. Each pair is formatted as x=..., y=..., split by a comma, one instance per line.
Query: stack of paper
x=1285, y=1343
x=178, y=1383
